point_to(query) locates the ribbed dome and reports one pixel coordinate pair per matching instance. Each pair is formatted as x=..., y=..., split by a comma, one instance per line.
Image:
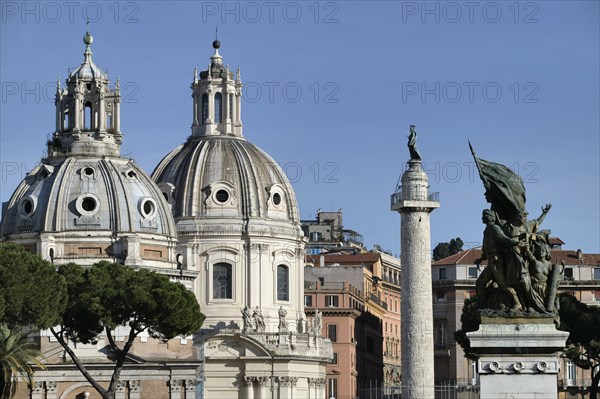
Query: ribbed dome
x=225, y=176
x=88, y=193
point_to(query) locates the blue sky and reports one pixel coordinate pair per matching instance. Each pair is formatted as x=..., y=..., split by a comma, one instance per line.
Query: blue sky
x=331, y=89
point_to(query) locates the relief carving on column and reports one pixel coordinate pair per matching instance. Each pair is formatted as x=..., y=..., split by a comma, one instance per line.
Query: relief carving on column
x=134, y=385
x=175, y=385
x=262, y=381
x=38, y=387
x=51, y=386
x=284, y=381
x=190, y=385
x=321, y=382
x=121, y=385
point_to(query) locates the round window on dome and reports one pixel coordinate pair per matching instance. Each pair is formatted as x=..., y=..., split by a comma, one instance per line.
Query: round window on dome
x=87, y=204
x=222, y=196
x=88, y=172
x=27, y=206
x=147, y=207
x=277, y=198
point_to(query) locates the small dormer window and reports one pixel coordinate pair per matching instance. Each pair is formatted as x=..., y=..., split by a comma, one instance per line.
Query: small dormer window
x=88, y=86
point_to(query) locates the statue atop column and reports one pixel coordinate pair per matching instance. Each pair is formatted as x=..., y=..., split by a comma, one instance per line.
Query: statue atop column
x=519, y=278
x=412, y=144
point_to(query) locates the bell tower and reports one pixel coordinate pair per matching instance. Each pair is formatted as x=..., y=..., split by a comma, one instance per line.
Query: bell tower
x=87, y=111
x=217, y=99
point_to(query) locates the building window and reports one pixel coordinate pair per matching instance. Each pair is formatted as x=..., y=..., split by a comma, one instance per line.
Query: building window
x=440, y=296
x=472, y=272
x=332, y=332
x=222, y=281
x=283, y=286
x=597, y=273
x=472, y=293
x=230, y=110
x=441, y=335
x=331, y=301
x=204, y=108
x=218, y=108
x=335, y=358
x=597, y=296
x=442, y=273
x=308, y=301
x=569, y=273
x=332, y=388
x=571, y=373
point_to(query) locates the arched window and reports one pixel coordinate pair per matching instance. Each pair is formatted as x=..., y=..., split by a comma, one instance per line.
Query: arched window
x=66, y=121
x=218, y=108
x=222, y=281
x=204, y=108
x=283, y=283
x=230, y=110
x=87, y=116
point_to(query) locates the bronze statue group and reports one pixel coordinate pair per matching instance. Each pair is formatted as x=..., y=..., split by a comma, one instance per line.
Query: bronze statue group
x=520, y=277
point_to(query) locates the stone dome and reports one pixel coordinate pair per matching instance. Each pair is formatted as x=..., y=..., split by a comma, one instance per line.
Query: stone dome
x=93, y=207
x=225, y=176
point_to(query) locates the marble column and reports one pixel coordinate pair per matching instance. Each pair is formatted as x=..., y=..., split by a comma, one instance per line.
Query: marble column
x=414, y=202
x=249, y=387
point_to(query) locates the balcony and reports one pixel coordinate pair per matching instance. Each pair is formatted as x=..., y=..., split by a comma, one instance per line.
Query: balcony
x=413, y=194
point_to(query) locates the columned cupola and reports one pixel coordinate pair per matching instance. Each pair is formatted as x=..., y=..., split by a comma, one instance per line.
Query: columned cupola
x=87, y=112
x=217, y=99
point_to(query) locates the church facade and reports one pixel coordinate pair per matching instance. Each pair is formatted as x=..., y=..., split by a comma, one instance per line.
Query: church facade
x=218, y=215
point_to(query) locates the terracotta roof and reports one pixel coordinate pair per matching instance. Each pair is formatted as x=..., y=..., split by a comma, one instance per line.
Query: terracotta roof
x=556, y=241
x=569, y=257
x=462, y=258
x=369, y=257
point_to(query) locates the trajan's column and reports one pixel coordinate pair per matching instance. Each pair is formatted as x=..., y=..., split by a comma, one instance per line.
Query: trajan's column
x=414, y=202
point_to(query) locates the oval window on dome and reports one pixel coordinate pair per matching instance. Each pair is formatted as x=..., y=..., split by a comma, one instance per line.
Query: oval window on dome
x=147, y=207
x=277, y=198
x=222, y=196
x=27, y=206
x=87, y=204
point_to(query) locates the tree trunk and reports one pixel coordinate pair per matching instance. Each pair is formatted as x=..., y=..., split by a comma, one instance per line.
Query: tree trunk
x=103, y=392
x=595, y=381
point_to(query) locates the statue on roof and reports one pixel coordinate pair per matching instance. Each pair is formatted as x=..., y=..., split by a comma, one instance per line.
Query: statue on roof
x=519, y=278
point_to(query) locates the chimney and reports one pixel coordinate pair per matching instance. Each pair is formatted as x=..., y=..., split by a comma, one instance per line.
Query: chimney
x=580, y=255
x=322, y=261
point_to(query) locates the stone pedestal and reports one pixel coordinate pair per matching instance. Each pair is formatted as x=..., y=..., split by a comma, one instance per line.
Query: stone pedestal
x=518, y=357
